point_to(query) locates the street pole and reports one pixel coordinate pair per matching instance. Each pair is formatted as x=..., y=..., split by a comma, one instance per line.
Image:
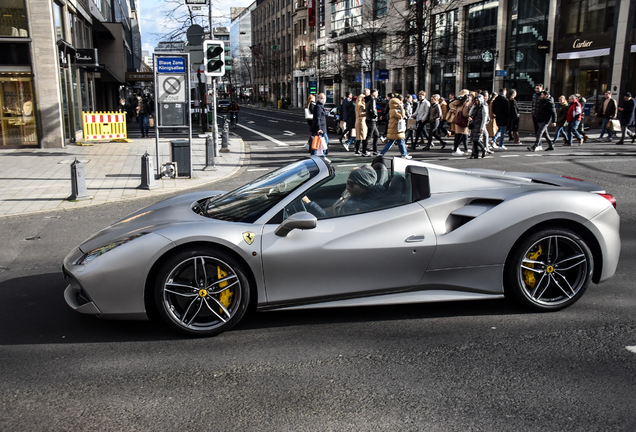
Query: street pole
x=215, y=129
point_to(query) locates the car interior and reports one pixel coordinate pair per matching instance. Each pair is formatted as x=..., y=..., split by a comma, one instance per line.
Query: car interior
x=400, y=187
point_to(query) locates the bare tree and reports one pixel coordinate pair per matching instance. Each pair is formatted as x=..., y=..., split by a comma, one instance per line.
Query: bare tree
x=424, y=34
x=184, y=16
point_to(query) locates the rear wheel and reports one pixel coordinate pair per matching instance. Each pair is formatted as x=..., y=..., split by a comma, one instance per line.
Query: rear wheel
x=550, y=270
x=201, y=292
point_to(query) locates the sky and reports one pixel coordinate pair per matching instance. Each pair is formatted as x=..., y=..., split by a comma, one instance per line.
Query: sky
x=154, y=20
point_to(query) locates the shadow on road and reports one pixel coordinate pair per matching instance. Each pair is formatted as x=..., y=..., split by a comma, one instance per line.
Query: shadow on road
x=33, y=311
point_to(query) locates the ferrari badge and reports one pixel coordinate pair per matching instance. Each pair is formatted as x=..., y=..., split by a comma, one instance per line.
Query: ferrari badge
x=248, y=237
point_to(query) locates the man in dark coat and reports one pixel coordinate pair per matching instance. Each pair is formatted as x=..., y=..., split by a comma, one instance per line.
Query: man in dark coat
x=607, y=110
x=546, y=115
x=626, y=115
x=344, y=115
x=501, y=111
x=372, y=122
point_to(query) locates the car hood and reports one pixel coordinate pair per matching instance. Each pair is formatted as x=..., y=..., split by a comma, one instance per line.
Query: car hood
x=150, y=219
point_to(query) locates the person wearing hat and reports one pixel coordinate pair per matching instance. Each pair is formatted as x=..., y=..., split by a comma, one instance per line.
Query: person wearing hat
x=626, y=115
x=361, y=194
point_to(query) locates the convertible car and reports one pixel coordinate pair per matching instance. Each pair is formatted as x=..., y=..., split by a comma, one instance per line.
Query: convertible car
x=312, y=235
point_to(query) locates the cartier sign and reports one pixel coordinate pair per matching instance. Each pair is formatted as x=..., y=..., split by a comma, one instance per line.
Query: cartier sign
x=578, y=43
x=590, y=42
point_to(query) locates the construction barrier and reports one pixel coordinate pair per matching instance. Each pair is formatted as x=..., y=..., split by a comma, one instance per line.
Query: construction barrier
x=104, y=125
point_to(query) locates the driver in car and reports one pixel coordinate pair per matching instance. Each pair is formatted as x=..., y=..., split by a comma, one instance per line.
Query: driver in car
x=361, y=194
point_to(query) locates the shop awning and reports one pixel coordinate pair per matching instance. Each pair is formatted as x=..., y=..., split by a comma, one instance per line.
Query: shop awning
x=583, y=54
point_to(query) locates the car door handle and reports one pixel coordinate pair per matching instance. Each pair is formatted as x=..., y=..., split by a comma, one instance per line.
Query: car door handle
x=415, y=238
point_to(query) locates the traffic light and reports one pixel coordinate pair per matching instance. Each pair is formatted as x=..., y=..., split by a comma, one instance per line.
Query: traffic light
x=214, y=57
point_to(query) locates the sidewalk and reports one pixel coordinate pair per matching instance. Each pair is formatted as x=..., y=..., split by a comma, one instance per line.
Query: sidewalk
x=37, y=180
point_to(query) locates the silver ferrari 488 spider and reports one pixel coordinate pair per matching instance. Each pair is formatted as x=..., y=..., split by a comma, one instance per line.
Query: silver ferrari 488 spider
x=343, y=233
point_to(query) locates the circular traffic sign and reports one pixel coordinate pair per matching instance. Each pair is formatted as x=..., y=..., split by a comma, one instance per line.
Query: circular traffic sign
x=172, y=85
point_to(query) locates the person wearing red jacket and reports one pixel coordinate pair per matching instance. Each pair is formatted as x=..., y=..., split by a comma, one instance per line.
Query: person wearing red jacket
x=574, y=118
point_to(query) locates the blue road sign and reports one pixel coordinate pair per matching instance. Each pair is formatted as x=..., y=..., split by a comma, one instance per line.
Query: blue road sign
x=172, y=65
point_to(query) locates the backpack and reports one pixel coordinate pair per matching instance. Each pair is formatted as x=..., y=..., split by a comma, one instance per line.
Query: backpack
x=460, y=120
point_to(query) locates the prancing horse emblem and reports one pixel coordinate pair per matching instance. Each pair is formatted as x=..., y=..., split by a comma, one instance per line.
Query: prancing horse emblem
x=248, y=237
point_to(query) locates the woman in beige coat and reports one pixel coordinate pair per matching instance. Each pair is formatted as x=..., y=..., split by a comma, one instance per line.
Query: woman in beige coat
x=361, y=124
x=396, y=113
x=461, y=131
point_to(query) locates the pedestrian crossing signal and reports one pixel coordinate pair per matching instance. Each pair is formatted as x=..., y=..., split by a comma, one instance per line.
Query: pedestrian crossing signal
x=214, y=57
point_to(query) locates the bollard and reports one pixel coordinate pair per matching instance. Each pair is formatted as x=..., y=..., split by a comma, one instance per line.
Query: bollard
x=225, y=137
x=210, y=152
x=79, y=191
x=147, y=173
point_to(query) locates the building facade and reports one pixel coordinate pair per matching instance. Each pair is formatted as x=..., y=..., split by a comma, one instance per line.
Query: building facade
x=59, y=58
x=570, y=46
x=272, y=49
x=241, y=51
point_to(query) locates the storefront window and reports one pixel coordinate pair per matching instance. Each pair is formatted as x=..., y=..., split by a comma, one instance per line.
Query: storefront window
x=587, y=76
x=481, y=45
x=13, y=19
x=17, y=108
x=524, y=63
x=17, y=118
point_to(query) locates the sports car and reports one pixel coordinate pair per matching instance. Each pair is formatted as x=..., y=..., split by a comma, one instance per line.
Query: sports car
x=320, y=233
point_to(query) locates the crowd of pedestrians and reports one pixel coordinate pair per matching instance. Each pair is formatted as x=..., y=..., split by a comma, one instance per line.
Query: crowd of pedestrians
x=477, y=122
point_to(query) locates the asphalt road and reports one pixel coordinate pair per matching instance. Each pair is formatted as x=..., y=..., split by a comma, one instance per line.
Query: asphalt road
x=483, y=366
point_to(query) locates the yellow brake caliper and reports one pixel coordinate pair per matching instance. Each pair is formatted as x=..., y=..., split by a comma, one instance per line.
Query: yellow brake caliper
x=528, y=276
x=226, y=296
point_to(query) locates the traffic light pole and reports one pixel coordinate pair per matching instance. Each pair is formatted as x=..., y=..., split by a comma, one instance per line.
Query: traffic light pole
x=215, y=128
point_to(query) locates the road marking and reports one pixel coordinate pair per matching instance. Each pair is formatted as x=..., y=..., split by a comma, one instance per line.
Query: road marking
x=273, y=121
x=288, y=133
x=250, y=122
x=258, y=147
x=631, y=348
x=267, y=137
x=258, y=169
x=509, y=156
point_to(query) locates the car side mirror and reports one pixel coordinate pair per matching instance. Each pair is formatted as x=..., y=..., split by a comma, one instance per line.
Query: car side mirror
x=300, y=220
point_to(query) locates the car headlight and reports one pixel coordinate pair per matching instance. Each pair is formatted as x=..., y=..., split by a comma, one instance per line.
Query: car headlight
x=90, y=256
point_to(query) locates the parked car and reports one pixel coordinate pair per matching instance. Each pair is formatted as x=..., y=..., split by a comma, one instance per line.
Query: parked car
x=289, y=240
x=223, y=105
x=333, y=121
x=329, y=106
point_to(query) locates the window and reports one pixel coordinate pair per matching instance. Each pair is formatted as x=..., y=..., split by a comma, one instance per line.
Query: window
x=13, y=19
x=349, y=191
x=380, y=8
x=58, y=19
x=587, y=16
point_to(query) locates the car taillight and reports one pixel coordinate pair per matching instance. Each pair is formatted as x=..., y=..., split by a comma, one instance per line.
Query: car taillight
x=572, y=178
x=610, y=198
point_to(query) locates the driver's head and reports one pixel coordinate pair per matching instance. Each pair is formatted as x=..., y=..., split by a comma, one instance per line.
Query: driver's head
x=360, y=180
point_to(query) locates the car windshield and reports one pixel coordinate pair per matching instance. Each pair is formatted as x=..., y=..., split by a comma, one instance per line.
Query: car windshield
x=251, y=201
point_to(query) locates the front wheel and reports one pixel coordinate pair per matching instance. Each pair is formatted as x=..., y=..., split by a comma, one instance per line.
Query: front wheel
x=550, y=270
x=201, y=292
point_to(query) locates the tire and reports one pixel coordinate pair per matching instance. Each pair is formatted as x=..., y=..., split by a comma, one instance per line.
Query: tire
x=190, y=298
x=550, y=270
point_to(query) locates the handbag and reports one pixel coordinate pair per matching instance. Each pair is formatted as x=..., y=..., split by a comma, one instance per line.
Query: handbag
x=401, y=126
x=616, y=125
x=460, y=120
x=316, y=143
x=411, y=124
x=151, y=122
x=308, y=114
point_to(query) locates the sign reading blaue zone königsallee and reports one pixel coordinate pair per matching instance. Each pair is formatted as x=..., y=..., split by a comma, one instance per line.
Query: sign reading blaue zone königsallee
x=171, y=65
